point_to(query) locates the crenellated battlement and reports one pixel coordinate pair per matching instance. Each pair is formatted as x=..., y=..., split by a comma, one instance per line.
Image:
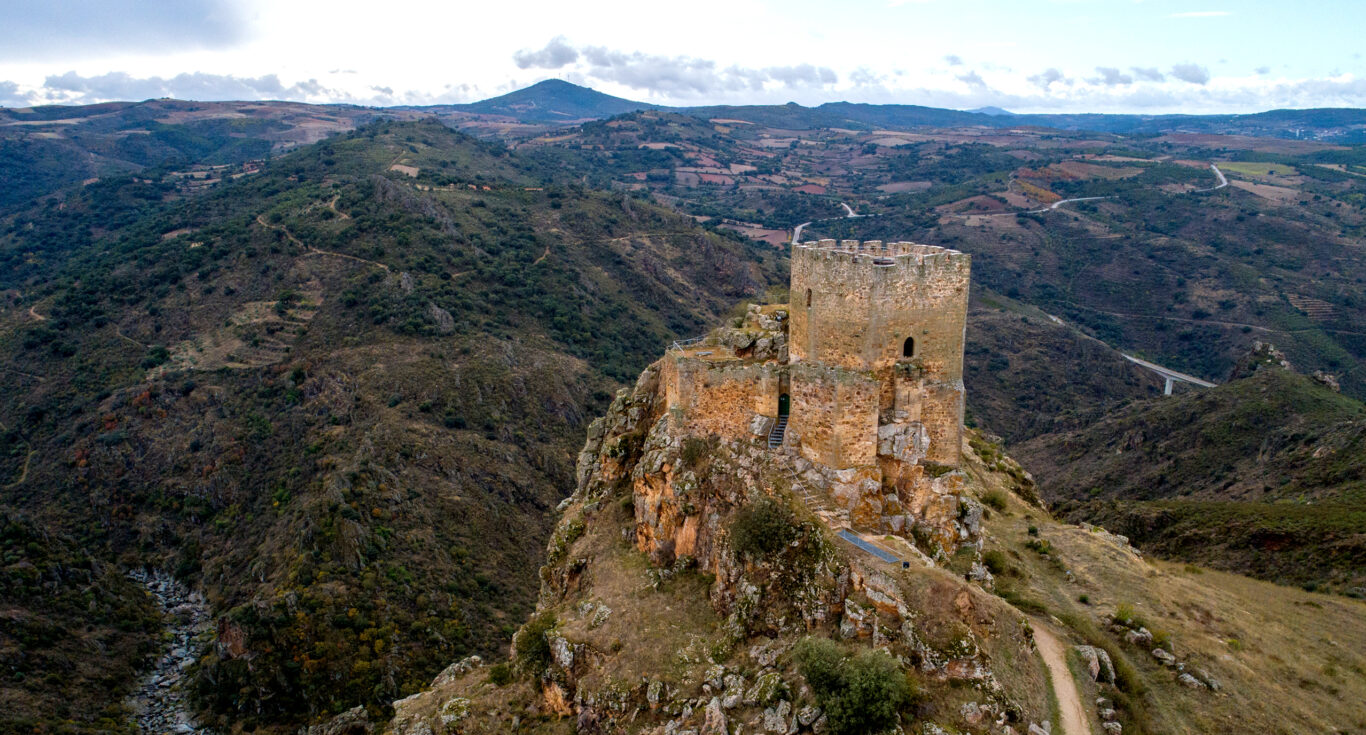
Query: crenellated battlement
x=878, y=253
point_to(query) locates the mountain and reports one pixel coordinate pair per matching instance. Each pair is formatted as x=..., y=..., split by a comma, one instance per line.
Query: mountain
x=339, y=395
x=553, y=101
x=1263, y=475
x=692, y=586
x=993, y=111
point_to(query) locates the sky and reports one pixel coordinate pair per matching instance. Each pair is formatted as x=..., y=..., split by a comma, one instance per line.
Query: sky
x=1127, y=56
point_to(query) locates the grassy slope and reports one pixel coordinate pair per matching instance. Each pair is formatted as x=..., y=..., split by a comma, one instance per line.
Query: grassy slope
x=1288, y=661
x=279, y=409
x=1263, y=475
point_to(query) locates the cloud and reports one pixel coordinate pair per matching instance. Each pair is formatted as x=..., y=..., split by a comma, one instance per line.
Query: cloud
x=1263, y=70
x=954, y=60
x=672, y=76
x=10, y=97
x=556, y=54
x=1148, y=74
x=72, y=88
x=67, y=29
x=1110, y=77
x=972, y=79
x=1048, y=77
x=1201, y=14
x=1193, y=73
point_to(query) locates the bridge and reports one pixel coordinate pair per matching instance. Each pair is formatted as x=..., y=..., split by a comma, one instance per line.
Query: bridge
x=1170, y=375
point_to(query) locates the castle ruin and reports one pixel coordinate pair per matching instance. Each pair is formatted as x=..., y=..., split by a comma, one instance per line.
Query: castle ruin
x=859, y=379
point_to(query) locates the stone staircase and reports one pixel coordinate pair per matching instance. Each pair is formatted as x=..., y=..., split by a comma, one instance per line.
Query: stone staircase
x=776, y=434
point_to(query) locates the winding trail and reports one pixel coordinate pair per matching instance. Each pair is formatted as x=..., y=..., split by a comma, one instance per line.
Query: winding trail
x=33, y=312
x=797, y=231
x=261, y=220
x=159, y=704
x=1070, y=710
x=23, y=473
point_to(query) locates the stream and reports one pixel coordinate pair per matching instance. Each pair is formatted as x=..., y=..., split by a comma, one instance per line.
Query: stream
x=160, y=704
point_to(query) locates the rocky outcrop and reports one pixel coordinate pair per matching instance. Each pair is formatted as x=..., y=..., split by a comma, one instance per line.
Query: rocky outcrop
x=160, y=704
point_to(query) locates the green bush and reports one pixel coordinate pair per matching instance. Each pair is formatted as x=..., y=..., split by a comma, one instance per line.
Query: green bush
x=862, y=693
x=995, y=499
x=763, y=528
x=531, y=646
x=995, y=562
x=500, y=675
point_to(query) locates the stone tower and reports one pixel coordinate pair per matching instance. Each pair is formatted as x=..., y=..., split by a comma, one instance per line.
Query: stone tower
x=876, y=352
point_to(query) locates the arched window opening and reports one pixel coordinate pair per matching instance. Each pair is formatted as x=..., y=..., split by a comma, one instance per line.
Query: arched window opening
x=908, y=349
x=808, y=298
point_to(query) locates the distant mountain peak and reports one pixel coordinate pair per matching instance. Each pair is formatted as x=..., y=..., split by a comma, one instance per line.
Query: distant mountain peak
x=555, y=100
x=993, y=111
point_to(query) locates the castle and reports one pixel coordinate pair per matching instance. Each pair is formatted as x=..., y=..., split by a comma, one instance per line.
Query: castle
x=859, y=378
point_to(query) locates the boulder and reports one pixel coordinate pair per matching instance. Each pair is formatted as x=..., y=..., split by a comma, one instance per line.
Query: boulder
x=1112, y=728
x=714, y=719
x=971, y=712
x=1163, y=655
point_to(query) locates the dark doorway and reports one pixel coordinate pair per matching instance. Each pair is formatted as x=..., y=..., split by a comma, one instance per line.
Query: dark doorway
x=808, y=298
x=784, y=404
x=908, y=349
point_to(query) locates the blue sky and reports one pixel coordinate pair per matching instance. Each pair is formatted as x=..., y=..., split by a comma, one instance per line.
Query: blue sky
x=1041, y=56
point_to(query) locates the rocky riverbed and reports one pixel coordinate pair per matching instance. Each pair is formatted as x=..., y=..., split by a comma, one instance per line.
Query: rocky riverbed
x=159, y=704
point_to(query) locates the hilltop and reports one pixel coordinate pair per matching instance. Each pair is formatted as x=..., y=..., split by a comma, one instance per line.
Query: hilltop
x=555, y=101
x=768, y=621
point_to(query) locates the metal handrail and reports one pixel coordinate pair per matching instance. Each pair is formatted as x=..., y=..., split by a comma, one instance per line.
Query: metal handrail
x=681, y=344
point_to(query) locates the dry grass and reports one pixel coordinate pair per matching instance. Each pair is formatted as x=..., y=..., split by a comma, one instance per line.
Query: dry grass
x=1289, y=661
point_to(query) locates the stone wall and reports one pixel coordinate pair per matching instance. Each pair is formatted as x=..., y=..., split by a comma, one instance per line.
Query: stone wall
x=855, y=304
x=834, y=415
x=719, y=398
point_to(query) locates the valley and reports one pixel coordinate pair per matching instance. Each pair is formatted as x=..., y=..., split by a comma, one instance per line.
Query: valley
x=331, y=368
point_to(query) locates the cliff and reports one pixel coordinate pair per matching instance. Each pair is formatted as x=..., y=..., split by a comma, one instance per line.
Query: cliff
x=685, y=578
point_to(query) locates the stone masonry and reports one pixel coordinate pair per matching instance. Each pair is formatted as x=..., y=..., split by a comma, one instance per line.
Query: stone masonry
x=867, y=364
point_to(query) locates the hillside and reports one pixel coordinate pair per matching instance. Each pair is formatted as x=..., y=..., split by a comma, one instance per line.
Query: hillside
x=555, y=101
x=766, y=621
x=1263, y=475
x=340, y=395
x=45, y=149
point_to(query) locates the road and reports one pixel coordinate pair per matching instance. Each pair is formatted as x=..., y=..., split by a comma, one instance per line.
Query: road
x=797, y=231
x=1223, y=181
x=1070, y=710
x=1169, y=374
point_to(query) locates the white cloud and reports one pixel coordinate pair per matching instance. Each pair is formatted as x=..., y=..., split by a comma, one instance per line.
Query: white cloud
x=676, y=77
x=1048, y=77
x=556, y=54
x=1110, y=76
x=1193, y=73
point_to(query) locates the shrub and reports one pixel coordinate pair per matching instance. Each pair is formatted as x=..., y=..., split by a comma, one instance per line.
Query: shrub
x=860, y=694
x=995, y=498
x=500, y=675
x=531, y=646
x=763, y=528
x=995, y=562
x=694, y=450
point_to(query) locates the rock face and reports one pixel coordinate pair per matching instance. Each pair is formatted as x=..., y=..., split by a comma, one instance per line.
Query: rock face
x=159, y=705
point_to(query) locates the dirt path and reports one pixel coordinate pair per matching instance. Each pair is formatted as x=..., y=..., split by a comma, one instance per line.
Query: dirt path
x=1070, y=710
x=261, y=220
x=23, y=473
x=332, y=205
x=33, y=312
